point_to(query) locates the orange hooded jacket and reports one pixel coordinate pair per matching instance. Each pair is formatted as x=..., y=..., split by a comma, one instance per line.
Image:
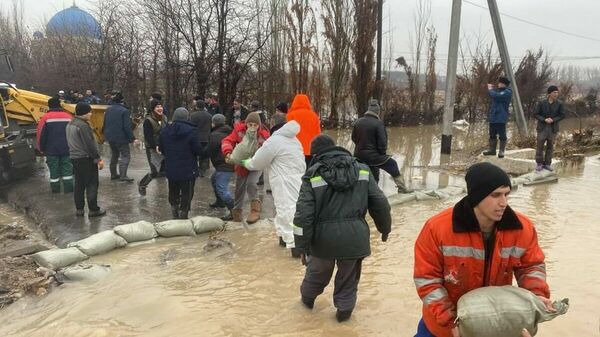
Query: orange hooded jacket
x=450, y=261
x=310, y=126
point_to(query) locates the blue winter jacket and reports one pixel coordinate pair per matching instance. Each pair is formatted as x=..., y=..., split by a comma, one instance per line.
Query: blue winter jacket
x=180, y=145
x=500, y=103
x=117, y=125
x=52, y=136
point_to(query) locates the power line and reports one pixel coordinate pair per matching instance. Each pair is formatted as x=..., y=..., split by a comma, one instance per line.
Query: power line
x=537, y=24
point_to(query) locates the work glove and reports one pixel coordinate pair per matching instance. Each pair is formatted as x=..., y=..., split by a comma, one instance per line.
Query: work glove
x=244, y=162
x=384, y=237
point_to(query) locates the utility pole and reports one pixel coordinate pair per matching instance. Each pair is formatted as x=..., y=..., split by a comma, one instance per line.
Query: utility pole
x=504, y=56
x=378, y=85
x=451, y=77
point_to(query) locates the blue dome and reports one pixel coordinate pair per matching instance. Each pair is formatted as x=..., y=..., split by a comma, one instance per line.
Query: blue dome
x=74, y=21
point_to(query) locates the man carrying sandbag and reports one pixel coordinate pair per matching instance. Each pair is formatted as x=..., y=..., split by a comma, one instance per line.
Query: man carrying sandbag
x=245, y=181
x=479, y=242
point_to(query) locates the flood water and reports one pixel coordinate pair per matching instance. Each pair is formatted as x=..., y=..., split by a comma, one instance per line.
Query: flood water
x=172, y=288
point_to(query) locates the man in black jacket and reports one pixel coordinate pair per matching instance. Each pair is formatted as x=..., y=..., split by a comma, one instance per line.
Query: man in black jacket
x=370, y=139
x=153, y=124
x=85, y=156
x=118, y=132
x=223, y=171
x=202, y=119
x=330, y=226
x=549, y=112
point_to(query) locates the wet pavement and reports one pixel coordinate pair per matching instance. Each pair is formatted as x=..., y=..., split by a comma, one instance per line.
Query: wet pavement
x=172, y=287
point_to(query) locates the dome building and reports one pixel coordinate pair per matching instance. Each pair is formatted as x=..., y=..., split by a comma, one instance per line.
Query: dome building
x=74, y=21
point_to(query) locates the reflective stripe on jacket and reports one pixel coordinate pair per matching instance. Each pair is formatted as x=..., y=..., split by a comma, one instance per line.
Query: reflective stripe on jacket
x=450, y=261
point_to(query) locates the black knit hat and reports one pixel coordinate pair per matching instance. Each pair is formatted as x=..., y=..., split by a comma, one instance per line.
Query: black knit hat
x=482, y=179
x=283, y=107
x=321, y=143
x=54, y=103
x=153, y=104
x=504, y=80
x=552, y=89
x=82, y=109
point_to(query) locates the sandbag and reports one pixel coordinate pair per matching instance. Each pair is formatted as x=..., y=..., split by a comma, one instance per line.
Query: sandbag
x=245, y=149
x=427, y=195
x=83, y=272
x=204, y=224
x=99, y=243
x=58, y=258
x=503, y=312
x=137, y=231
x=401, y=198
x=171, y=228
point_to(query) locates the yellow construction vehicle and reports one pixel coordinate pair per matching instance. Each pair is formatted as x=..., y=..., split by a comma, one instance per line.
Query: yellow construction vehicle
x=20, y=111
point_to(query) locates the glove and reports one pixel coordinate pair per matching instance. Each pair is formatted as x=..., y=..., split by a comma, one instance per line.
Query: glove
x=384, y=237
x=244, y=162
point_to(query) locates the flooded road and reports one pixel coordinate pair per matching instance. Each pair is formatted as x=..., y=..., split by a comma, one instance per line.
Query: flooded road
x=173, y=288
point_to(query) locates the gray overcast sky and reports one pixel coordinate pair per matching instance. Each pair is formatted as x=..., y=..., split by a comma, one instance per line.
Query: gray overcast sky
x=574, y=16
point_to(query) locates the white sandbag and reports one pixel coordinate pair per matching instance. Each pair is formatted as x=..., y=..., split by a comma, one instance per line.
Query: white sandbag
x=245, y=149
x=85, y=272
x=204, y=224
x=426, y=195
x=401, y=198
x=137, y=231
x=58, y=258
x=171, y=228
x=503, y=312
x=454, y=190
x=99, y=243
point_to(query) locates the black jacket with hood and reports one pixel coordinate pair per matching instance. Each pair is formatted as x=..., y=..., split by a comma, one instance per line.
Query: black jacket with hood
x=370, y=139
x=336, y=193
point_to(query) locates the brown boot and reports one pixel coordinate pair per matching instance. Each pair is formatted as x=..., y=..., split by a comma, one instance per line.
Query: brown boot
x=254, y=215
x=237, y=215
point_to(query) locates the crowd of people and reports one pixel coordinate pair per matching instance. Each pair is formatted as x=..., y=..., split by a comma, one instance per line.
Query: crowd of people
x=321, y=191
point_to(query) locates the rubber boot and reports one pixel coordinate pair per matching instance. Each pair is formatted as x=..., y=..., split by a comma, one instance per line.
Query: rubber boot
x=343, y=316
x=175, y=211
x=501, y=149
x=492, y=150
x=399, y=180
x=229, y=216
x=237, y=215
x=254, y=215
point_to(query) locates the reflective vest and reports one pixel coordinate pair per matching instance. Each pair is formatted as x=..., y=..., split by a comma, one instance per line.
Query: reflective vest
x=450, y=261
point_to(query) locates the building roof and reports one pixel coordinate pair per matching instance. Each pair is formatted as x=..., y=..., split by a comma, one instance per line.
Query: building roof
x=74, y=21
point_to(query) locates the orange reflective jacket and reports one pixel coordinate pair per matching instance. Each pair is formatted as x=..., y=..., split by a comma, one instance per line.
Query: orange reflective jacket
x=450, y=261
x=310, y=126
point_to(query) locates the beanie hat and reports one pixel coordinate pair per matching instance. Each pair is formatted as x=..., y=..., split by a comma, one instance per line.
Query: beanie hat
x=117, y=96
x=253, y=117
x=552, y=89
x=482, y=179
x=54, y=103
x=374, y=106
x=153, y=104
x=218, y=120
x=283, y=107
x=504, y=80
x=82, y=109
x=181, y=114
x=200, y=104
x=320, y=143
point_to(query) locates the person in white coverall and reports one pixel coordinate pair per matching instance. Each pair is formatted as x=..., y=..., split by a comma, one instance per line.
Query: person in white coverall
x=283, y=156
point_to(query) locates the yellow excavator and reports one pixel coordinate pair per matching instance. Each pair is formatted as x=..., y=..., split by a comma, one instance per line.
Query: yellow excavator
x=20, y=111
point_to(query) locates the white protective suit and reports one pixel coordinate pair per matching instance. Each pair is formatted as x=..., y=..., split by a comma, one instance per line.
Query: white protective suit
x=283, y=156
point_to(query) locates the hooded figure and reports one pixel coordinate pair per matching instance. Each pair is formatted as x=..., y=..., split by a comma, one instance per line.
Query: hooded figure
x=180, y=145
x=310, y=125
x=282, y=155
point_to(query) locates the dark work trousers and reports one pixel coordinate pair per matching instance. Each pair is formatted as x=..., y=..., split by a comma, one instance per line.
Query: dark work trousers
x=318, y=274
x=86, y=182
x=181, y=194
x=498, y=130
x=156, y=162
x=545, y=137
x=390, y=166
x=120, y=154
x=204, y=159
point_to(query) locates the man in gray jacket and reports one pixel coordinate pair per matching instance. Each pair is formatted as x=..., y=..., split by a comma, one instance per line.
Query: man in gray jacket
x=549, y=112
x=84, y=154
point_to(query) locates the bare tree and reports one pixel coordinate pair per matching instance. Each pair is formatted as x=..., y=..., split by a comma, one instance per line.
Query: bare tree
x=363, y=52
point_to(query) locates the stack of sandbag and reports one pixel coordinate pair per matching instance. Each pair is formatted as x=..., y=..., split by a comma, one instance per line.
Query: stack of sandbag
x=137, y=231
x=503, y=312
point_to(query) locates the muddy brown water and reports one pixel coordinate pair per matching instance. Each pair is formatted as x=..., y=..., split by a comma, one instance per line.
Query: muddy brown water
x=174, y=288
